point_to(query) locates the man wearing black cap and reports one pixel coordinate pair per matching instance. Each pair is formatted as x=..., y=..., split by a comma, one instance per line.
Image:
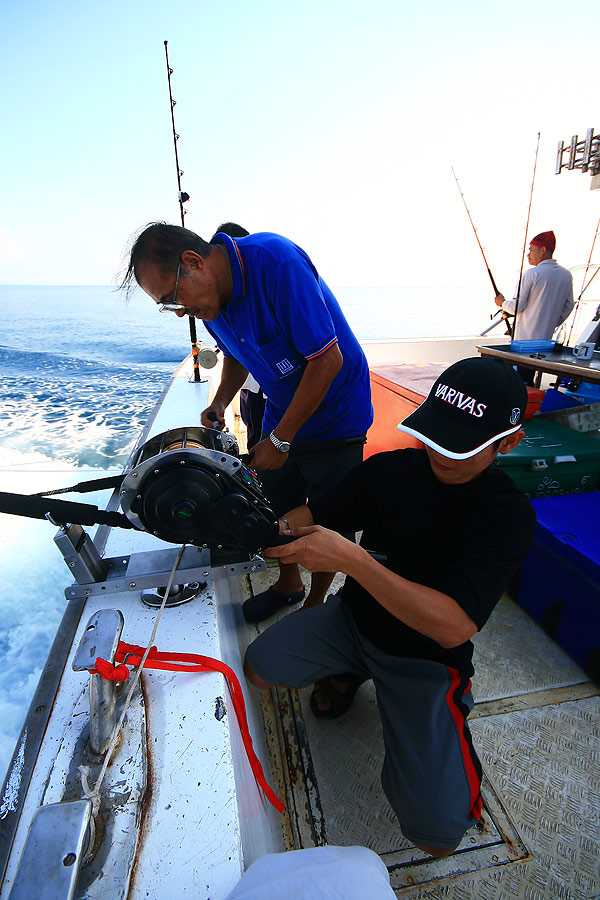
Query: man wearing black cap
x=450, y=530
x=546, y=293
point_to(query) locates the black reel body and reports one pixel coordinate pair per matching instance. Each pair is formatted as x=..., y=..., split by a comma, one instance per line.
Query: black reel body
x=188, y=485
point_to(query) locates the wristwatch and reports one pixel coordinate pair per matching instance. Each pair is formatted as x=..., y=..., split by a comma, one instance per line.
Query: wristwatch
x=282, y=446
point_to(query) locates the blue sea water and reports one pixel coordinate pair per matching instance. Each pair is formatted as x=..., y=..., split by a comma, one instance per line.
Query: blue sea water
x=80, y=370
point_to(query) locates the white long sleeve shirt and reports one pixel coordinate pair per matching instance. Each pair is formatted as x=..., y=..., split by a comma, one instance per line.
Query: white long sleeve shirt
x=545, y=301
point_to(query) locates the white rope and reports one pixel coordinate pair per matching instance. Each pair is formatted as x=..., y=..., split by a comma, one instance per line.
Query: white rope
x=94, y=795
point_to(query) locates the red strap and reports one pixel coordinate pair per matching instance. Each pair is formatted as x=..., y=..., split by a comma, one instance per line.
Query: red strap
x=193, y=662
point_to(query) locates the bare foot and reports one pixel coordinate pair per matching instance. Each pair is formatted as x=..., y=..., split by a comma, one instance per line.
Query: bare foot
x=308, y=603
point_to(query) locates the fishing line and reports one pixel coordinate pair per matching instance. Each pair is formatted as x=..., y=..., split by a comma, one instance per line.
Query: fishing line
x=526, y=230
x=584, y=286
x=182, y=198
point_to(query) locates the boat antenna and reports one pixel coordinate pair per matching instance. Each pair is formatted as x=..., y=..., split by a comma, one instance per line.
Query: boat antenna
x=182, y=198
x=526, y=230
x=496, y=291
x=584, y=285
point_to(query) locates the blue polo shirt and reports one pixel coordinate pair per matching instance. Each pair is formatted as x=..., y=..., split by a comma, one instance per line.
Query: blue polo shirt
x=280, y=316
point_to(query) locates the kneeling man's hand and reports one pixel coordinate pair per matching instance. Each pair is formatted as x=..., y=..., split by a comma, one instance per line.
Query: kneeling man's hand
x=317, y=549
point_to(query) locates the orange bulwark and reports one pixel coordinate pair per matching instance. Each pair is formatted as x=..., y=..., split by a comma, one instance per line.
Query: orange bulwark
x=396, y=391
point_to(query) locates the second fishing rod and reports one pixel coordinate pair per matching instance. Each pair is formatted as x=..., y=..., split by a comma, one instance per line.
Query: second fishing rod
x=505, y=316
x=182, y=198
x=511, y=331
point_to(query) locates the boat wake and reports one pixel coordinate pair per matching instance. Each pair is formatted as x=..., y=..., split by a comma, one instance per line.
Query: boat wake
x=33, y=581
x=73, y=409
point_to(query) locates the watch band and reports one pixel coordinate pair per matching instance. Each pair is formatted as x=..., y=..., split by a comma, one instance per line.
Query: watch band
x=282, y=446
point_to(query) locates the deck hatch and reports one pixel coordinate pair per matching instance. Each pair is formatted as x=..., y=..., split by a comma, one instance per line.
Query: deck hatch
x=334, y=796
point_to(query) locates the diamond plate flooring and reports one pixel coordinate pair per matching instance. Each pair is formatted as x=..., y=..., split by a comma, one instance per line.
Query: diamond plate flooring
x=536, y=728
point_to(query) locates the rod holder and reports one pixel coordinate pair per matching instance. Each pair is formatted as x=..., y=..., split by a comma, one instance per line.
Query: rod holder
x=100, y=638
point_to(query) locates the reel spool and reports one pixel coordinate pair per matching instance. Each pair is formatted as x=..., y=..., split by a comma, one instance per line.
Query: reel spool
x=188, y=485
x=207, y=358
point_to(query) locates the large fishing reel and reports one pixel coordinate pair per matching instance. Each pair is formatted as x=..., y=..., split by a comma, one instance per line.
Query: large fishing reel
x=188, y=485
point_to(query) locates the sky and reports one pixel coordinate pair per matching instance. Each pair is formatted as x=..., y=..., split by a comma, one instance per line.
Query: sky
x=333, y=122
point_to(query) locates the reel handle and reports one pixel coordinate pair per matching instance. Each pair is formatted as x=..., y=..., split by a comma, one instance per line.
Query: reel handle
x=212, y=417
x=280, y=539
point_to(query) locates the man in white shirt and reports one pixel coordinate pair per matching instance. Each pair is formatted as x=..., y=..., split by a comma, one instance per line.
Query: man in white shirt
x=546, y=294
x=329, y=873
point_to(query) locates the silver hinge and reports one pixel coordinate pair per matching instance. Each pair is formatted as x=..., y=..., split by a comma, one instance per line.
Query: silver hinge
x=55, y=847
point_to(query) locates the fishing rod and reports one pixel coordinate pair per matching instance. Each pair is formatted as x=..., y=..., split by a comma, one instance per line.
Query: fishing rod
x=182, y=198
x=584, y=286
x=526, y=230
x=496, y=291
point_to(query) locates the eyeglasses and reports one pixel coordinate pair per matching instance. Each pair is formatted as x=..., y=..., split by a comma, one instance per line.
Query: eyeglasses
x=173, y=306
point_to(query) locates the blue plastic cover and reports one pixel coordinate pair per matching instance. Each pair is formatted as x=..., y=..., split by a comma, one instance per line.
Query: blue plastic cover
x=532, y=346
x=573, y=522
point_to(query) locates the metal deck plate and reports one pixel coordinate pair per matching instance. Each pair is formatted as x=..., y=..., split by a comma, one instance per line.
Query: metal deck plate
x=513, y=655
x=536, y=727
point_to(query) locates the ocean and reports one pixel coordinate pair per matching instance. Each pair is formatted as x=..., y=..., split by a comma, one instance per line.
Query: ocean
x=80, y=370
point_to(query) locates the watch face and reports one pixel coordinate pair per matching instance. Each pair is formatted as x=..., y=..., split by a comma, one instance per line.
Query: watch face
x=284, y=446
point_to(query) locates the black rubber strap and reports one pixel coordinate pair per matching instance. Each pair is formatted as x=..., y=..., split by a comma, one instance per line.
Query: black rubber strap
x=63, y=512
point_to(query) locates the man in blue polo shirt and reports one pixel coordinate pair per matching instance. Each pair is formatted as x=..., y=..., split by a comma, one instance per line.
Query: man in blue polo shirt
x=272, y=315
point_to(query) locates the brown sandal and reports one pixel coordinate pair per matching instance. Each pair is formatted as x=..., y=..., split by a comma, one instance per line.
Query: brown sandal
x=339, y=701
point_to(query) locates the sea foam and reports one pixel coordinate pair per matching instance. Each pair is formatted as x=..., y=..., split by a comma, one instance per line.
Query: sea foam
x=33, y=579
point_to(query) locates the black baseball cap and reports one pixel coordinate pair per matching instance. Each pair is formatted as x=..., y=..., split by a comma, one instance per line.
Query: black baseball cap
x=472, y=404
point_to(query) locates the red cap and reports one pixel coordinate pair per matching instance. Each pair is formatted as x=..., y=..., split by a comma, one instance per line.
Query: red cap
x=545, y=239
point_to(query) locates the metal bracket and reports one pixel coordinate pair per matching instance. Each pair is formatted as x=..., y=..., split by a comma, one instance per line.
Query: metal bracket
x=80, y=554
x=152, y=569
x=583, y=155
